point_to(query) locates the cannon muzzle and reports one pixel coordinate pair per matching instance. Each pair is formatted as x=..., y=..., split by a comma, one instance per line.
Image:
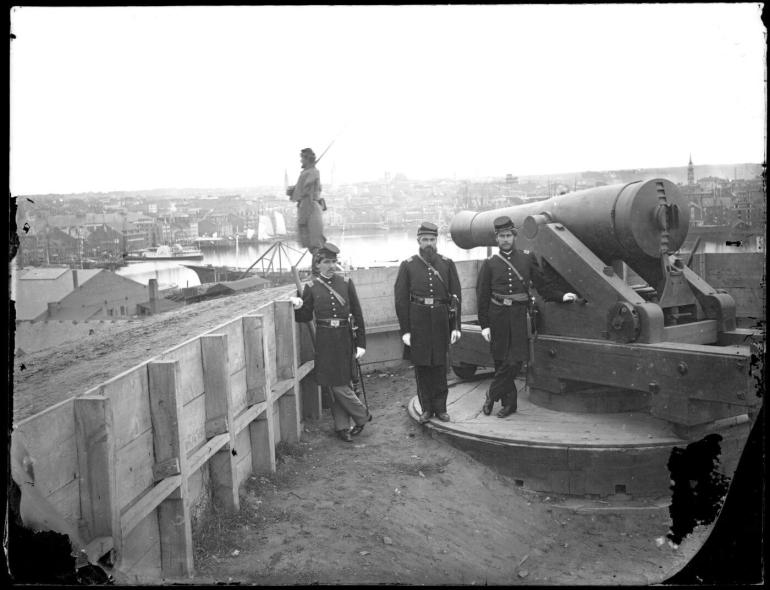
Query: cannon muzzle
x=634, y=221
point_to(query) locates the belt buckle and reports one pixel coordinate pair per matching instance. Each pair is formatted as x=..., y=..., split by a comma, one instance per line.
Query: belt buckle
x=334, y=323
x=507, y=301
x=429, y=301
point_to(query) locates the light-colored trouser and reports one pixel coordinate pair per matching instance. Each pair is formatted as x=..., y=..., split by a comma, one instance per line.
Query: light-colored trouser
x=346, y=405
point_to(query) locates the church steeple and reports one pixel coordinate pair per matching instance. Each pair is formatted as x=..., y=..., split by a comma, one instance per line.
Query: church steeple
x=690, y=172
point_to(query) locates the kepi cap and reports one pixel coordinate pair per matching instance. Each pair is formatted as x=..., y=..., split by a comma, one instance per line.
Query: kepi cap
x=504, y=223
x=327, y=252
x=427, y=229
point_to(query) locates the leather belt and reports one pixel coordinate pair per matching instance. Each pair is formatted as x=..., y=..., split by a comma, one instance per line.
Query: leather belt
x=427, y=300
x=332, y=322
x=507, y=300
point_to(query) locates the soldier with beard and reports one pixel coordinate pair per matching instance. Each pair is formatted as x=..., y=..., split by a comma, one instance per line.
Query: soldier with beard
x=427, y=288
x=502, y=293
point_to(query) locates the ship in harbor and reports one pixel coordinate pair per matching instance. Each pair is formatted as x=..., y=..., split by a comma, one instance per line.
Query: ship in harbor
x=175, y=252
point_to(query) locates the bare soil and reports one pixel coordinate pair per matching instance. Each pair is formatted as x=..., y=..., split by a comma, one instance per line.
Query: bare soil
x=396, y=506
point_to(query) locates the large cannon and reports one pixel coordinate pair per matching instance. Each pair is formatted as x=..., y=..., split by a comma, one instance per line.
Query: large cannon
x=647, y=329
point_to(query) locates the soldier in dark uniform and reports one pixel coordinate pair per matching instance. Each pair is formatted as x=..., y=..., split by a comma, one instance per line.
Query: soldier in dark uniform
x=502, y=295
x=427, y=287
x=332, y=301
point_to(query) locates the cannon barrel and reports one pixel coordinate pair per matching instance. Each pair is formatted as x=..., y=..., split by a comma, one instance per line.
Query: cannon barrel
x=621, y=221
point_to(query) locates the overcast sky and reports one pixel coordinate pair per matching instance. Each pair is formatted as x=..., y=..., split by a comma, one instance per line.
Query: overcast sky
x=136, y=98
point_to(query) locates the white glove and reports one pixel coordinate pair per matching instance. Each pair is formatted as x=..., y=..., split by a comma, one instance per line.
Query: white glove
x=455, y=336
x=407, y=339
x=569, y=298
x=296, y=302
x=486, y=334
x=360, y=352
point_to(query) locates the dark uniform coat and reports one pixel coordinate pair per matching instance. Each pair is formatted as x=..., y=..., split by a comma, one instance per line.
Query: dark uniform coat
x=508, y=323
x=334, y=347
x=428, y=324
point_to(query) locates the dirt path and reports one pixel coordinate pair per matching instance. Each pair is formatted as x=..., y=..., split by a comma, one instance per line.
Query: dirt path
x=396, y=506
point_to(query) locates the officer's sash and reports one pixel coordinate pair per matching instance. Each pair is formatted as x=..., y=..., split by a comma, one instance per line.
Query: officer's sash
x=339, y=297
x=515, y=271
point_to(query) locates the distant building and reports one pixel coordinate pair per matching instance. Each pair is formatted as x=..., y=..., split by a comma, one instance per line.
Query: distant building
x=690, y=172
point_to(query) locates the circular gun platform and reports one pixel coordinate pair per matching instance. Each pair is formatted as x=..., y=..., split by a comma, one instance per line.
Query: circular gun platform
x=601, y=454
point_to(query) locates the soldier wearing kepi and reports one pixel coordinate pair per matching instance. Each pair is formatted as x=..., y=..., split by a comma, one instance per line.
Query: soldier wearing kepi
x=502, y=294
x=428, y=298
x=307, y=194
x=334, y=303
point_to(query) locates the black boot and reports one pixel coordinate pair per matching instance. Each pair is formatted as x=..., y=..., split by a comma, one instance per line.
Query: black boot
x=487, y=407
x=509, y=405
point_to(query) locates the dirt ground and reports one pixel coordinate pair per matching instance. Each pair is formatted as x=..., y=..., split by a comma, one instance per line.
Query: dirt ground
x=396, y=506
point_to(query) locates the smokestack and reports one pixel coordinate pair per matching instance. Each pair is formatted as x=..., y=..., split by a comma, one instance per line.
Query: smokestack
x=75, y=283
x=153, y=285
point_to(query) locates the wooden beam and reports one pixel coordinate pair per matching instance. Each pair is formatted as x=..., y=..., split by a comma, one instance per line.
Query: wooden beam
x=256, y=391
x=95, y=442
x=138, y=511
x=703, y=332
x=216, y=386
x=286, y=363
x=263, y=442
x=176, y=546
x=246, y=417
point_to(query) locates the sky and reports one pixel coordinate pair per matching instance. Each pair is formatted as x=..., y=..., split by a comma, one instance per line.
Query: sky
x=131, y=98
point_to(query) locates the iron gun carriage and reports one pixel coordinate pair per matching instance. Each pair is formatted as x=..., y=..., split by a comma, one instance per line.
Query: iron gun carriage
x=647, y=331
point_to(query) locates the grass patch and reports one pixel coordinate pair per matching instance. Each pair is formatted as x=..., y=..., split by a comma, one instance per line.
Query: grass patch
x=216, y=532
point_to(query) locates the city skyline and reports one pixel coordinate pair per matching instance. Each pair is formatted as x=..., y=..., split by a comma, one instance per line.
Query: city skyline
x=226, y=96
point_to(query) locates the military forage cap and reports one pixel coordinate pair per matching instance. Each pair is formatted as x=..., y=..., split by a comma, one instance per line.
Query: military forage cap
x=504, y=223
x=308, y=152
x=427, y=229
x=328, y=252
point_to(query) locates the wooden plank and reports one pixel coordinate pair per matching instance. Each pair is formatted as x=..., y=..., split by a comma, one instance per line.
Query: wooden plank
x=148, y=502
x=200, y=456
x=290, y=423
x=674, y=373
x=281, y=387
x=304, y=369
x=130, y=401
x=133, y=467
x=703, y=332
x=49, y=438
x=141, y=550
x=173, y=512
x=242, y=457
x=190, y=380
x=219, y=417
x=285, y=343
x=235, y=350
x=194, y=423
x=238, y=390
x=254, y=359
x=262, y=436
x=94, y=433
x=243, y=419
x=268, y=343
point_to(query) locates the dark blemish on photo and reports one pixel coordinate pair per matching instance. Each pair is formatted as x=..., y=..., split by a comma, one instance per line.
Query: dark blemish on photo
x=735, y=243
x=26, y=227
x=698, y=488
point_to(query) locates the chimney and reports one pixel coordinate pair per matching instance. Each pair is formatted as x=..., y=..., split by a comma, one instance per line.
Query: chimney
x=153, y=285
x=75, y=283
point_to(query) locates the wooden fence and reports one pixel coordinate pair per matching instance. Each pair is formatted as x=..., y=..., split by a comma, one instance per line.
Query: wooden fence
x=131, y=459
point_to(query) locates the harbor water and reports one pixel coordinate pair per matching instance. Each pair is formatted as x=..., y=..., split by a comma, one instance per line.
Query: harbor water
x=365, y=250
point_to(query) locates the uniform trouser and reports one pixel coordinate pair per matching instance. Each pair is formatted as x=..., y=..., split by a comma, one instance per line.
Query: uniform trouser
x=503, y=386
x=346, y=405
x=432, y=388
